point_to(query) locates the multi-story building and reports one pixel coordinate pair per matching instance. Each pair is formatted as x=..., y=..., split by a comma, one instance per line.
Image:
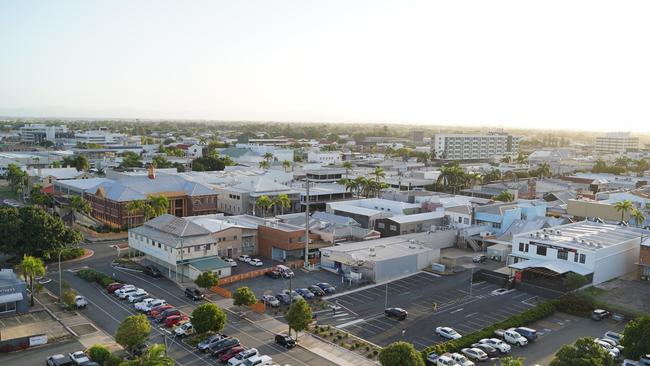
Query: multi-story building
x=616, y=142
x=474, y=147
x=241, y=198
x=324, y=157
x=367, y=211
x=101, y=136
x=644, y=261
x=37, y=132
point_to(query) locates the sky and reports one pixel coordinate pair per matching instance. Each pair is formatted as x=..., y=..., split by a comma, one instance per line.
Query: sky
x=542, y=64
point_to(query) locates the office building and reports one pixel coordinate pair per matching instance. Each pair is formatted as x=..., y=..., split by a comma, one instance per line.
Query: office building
x=616, y=142
x=13, y=293
x=474, y=147
x=36, y=133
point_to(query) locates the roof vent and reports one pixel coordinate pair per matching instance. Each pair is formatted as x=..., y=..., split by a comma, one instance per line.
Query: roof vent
x=532, y=235
x=558, y=232
x=545, y=236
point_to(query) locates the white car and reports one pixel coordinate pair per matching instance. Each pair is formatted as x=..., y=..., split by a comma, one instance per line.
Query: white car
x=123, y=289
x=184, y=330
x=79, y=357
x=502, y=346
x=231, y=262
x=515, y=338
x=461, y=360
x=446, y=332
x=55, y=360
x=137, y=296
x=615, y=352
x=153, y=304
x=616, y=337
x=80, y=302
x=124, y=294
x=142, y=304
x=474, y=354
x=445, y=361
x=263, y=360
x=244, y=258
x=256, y=262
x=242, y=356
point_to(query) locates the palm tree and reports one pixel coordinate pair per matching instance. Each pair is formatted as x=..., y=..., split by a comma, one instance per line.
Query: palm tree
x=624, y=207
x=79, y=204
x=282, y=200
x=504, y=196
x=451, y=176
x=378, y=173
x=544, y=170
x=286, y=165
x=493, y=175
x=31, y=267
x=522, y=159
x=132, y=208
x=639, y=217
x=265, y=203
x=347, y=166
x=159, y=204
x=474, y=179
x=264, y=164
x=351, y=185
x=155, y=355
x=363, y=185
x=268, y=157
x=148, y=211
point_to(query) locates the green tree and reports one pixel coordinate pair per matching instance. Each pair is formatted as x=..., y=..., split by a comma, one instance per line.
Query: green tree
x=133, y=208
x=623, y=207
x=544, y=170
x=131, y=160
x=504, y=196
x=98, y=353
x=156, y=355
x=68, y=296
x=207, y=280
x=638, y=217
x=268, y=157
x=574, y=281
x=211, y=162
x=160, y=162
x=400, y=354
x=636, y=337
x=79, y=162
x=264, y=203
x=299, y=316
x=159, y=204
x=31, y=267
x=347, y=166
x=79, y=204
x=286, y=164
x=583, y=353
x=133, y=331
x=378, y=173
x=511, y=361
x=264, y=164
x=208, y=317
x=38, y=197
x=283, y=201
x=244, y=296
x=17, y=178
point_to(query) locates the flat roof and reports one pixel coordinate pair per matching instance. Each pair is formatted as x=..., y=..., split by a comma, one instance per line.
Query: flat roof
x=560, y=267
x=402, y=219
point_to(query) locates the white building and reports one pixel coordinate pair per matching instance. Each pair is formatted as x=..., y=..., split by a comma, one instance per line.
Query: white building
x=616, y=142
x=600, y=251
x=37, y=132
x=324, y=157
x=474, y=147
x=101, y=137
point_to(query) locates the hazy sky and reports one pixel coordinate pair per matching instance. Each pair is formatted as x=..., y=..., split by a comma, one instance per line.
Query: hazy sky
x=555, y=64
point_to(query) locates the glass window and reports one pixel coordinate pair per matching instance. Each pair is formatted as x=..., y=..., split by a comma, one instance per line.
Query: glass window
x=521, y=247
x=541, y=250
x=562, y=254
x=583, y=258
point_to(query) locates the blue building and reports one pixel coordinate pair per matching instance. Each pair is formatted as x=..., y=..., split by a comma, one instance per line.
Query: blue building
x=500, y=216
x=13, y=293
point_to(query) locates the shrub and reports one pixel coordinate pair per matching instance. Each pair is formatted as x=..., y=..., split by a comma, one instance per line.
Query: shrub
x=113, y=360
x=92, y=275
x=98, y=353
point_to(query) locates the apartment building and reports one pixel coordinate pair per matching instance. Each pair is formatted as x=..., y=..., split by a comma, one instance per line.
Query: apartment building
x=101, y=136
x=36, y=133
x=616, y=142
x=474, y=147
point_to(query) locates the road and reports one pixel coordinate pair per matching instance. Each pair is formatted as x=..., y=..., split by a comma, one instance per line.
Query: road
x=107, y=312
x=37, y=356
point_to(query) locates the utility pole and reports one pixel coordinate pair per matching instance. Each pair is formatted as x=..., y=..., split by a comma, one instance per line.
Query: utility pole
x=307, y=222
x=182, y=260
x=61, y=283
x=386, y=297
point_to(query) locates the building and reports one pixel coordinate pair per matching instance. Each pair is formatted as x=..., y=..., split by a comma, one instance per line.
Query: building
x=180, y=247
x=474, y=147
x=233, y=238
x=13, y=293
x=320, y=194
x=409, y=224
x=417, y=136
x=101, y=137
x=241, y=198
x=36, y=133
x=46, y=177
x=324, y=157
x=367, y=211
x=616, y=142
x=498, y=217
x=601, y=252
x=644, y=261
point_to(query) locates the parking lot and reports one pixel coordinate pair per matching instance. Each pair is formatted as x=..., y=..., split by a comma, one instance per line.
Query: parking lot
x=266, y=285
x=361, y=312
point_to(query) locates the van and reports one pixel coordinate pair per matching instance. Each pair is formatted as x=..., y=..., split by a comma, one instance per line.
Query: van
x=528, y=333
x=285, y=271
x=258, y=361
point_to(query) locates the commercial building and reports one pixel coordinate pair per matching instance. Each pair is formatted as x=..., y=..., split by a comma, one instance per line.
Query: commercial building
x=409, y=224
x=46, y=177
x=616, y=142
x=474, y=147
x=13, y=293
x=36, y=133
x=324, y=157
x=600, y=252
x=241, y=198
x=644, y=261
x=101, y=137
x=367, y=211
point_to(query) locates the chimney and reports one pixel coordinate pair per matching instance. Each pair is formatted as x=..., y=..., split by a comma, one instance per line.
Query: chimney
x=151, y=172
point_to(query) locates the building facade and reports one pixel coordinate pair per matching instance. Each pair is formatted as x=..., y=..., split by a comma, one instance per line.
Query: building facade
x=474, y=147
x=36, y=133
x=617, y=142
x=13, y=293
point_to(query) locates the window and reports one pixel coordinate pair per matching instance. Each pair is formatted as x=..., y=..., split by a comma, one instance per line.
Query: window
x=521, y=247
x=583, y=258
x=9, y=306
x=562, y=254
x=158, y=245
x=541, y=250
x=460, y=220
x=393, y=228
x=197, y=248
x=380, y=225
x=234, y=237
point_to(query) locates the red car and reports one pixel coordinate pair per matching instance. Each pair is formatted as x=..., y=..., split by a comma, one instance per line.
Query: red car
x=231, y=353
x=114, y=287
x=159, y=309
x=175, y=319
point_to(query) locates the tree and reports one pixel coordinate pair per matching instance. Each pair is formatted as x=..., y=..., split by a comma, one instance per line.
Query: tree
x=264, y=164
x=299, y=316
x=133, y=331
x=38, y=197
x=347, y=166
x=286, y=164
x=159, y=204
x=211, y=162
x=378, y=173
x=160, y=162
x=574, y=281
x=504, y=196
x=132, y=208
x=17, y=178
x=156, y=355
x=583, y=353
x=511, y=361
x=244, y=296
x=268, y=157
x=98, y=353
x=623, y=207
x=78, y=162
x=208, y=317
x=636, y=337
x=131, y=160
x=207, y=280
x=79, y=204
x=544, y=170
x=639, y=217
x=68, y=296
x=46, y=144
x=282, y=200
x=31, y=267
x=265, y=203
x=400, y=354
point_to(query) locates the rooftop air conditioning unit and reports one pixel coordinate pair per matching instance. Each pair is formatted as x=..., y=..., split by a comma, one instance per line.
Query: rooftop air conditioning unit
x=532, y=235
x=545, y=236
x=558, y=232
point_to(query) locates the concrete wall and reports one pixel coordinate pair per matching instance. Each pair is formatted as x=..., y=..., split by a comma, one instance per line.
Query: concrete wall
x=581, y=208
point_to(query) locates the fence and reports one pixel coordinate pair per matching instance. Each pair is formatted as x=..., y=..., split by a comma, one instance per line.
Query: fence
x=258, y=307
x=293, y=264
x=221, y=291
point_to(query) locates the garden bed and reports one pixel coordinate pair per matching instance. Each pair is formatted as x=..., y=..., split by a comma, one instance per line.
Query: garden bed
x=345, y=340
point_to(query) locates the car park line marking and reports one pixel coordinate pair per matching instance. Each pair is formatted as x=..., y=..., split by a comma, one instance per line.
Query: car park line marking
x=350, y=323
x=176, y=297
x=472, y=314
x=455, y=311
x=340, y=315
x=430, y=274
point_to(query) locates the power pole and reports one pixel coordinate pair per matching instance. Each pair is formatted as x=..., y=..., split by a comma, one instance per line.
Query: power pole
x=307, y=222
x=386, y=297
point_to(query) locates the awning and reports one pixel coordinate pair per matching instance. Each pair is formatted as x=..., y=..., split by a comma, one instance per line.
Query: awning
x=13, y=297
x=555, y=266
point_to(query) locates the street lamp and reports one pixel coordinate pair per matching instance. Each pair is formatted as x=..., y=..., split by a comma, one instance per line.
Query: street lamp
x=60, y=280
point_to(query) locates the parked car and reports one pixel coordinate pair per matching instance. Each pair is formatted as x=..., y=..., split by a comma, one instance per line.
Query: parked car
x=512, y=337
x=136, y=296
x=244, y=258
x=184, y=330
x=397, y=313
x=627, y=362
x=58, y=360
x=613, y=344
x=256, y=262
x=242, y=356
x=145, y=306
x=263, y=360
x=122, y=294
x=152, y=271
x=645, y=360
x=274, y=273
x=123, y=289
x=159, y=309
x=230, y=354
x=270, y=300
x=114, y=287
x=445, y=361
x=285, y=271
x=613, y=351
x=223, y=345
x=230, y=261
x=489, y=350
x=474, y=354
x=79, y=357
x=600, y=314
x=481, y=258
x=329, y=289
x=616, y=337
x=284, y=298
x=80, y=302
x=432, y=357
x=285, y=341
x=306, y=294
x=461, y=360
x=175, y=319
x=316, y=290
x=193, y=293
x=496, y=343
x=528, y=333
x=446, y=332
x=166, y=314
x=294, y=295
x=211, y=340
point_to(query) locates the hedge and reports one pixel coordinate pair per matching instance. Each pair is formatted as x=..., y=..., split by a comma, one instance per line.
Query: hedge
x=574, y=305
x=92, y=275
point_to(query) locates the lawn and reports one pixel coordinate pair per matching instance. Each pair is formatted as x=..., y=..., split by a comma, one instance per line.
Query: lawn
x=6, y=192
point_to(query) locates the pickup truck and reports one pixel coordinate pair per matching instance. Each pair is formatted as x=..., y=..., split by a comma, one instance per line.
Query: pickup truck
x=512, y=337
